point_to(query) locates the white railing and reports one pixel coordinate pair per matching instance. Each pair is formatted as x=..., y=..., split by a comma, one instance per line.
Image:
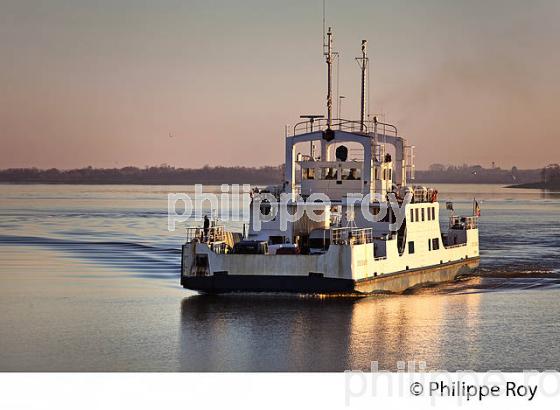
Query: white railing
x=463, y=222
x=351, y=236
x=210, y=235
x=320, y=124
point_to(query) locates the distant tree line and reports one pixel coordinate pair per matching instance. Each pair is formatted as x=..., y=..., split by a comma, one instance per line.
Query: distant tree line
x=550, y=179
x=167, y=175
x=476, y=174
x=162, y=175
x=551, y=174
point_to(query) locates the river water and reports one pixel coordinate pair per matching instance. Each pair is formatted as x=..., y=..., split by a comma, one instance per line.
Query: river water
x=89, y=281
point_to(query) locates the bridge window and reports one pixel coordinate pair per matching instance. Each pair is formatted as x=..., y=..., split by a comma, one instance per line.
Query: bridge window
x=308, y=173
x=412, y=215
x=329, y=173
x=416, y=215
x=423, y=215
x=411, y=247
x=433, y=213
x=351, y=174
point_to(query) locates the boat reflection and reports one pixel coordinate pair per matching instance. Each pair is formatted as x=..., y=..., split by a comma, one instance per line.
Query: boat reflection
x=275, y=333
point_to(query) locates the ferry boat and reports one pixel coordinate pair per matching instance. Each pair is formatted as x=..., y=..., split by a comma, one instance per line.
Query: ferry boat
x=366, y=169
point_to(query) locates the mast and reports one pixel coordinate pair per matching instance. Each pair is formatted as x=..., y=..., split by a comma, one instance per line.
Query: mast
x=329, y=55
x=363, y=63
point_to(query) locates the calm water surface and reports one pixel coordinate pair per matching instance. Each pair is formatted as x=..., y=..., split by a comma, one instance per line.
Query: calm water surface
x=89, y=281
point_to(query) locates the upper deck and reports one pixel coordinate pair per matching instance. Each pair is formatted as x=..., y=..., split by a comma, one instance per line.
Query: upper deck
x=348, y=157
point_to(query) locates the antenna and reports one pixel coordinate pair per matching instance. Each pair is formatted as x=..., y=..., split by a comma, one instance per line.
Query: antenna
x=363, y=63
x=328, y=56
x=324, y=43
x=337, y=69
x=328, y=53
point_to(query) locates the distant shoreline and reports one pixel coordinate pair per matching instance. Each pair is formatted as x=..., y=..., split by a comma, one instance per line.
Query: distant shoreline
x=228, y=183
x=137, y=183
x=266, y=175
x=163, y=175
x=555, y=186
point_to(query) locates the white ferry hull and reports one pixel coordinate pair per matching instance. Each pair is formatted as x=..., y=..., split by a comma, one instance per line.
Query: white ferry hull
x=341, y=270
x=397, y=282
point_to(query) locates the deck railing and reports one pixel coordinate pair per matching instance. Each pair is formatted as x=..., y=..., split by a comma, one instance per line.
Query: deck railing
x=351, y=236
x=463, y=222
x=370, y=127
x=212, y=234
x=304, y=127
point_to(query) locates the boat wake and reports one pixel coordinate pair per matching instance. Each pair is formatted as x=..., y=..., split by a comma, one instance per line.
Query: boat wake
x=151, y=262
x=134, y=259
x=503, y=278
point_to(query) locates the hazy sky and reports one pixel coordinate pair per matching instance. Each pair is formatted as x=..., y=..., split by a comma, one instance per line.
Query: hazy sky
x=102, y=83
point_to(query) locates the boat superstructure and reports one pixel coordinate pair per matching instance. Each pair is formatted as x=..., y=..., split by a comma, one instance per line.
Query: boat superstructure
x=346, y=219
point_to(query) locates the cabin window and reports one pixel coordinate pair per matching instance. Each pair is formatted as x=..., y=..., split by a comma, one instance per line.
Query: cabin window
x=433, y=213
x=429, y=244
x=416, y=218
x=435, y=244
x=411, y=247
x=351, y=174
x=329, y=173
x=308, y=173
x=387, y=174
x=265, y=208
x=412, y=215
x=423, y=215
